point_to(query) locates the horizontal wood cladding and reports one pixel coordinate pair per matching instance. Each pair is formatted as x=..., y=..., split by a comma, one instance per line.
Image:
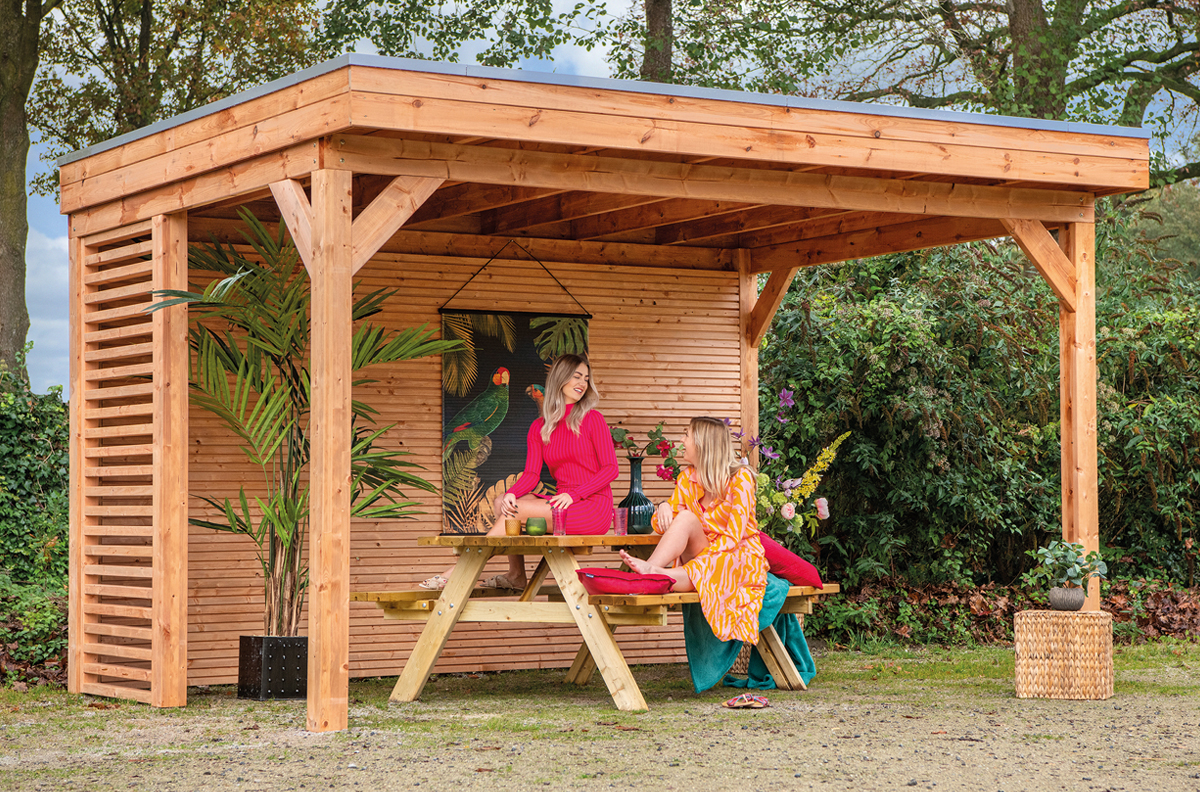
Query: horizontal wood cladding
x=663, y=347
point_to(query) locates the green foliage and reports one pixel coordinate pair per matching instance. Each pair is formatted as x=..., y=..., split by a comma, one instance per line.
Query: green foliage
x=113, y=66
x=251, y=342
x=945, y=365
x=33, y=479
x=1061, y=563
x=506, y=31
x=33, y=620
x=1102, y=61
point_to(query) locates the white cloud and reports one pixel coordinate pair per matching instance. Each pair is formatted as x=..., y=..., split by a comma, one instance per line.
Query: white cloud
x=46, y=270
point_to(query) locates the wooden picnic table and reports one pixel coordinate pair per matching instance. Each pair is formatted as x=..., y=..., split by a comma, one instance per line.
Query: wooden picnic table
x=566, y=603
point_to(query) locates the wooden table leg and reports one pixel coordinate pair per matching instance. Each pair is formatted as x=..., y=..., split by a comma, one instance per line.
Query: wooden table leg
x=596, y=633
x=441, y=621
x=535, y=582
x=779, y=662
x=584, y=666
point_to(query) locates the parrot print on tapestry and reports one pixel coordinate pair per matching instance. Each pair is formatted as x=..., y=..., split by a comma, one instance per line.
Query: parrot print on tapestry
x=481, y=417
x=537, y=393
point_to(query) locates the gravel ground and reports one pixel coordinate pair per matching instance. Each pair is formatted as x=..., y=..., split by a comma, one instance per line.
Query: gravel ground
x=932, y=721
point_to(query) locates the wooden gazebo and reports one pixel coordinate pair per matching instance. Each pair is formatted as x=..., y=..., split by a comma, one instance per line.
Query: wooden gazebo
x=656, y=206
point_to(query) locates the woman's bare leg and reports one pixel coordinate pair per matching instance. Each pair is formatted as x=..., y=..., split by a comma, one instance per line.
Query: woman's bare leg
x=527, y=506
x=683, y=540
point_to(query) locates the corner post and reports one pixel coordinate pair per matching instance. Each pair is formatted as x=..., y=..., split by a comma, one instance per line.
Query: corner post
x=168, y=668
x=75, y=621
x=748, y=348
x=1077, y=355
x=329, y=550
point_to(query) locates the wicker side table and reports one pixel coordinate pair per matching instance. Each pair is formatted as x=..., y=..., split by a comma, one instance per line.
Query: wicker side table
x=1063, y=654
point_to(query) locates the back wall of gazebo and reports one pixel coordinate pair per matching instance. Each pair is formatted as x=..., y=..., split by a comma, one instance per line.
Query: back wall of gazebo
x=655, y=206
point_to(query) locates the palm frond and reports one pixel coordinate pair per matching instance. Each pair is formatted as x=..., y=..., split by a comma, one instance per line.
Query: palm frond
x=501, y=326
x=564, y=335
x=460, y=367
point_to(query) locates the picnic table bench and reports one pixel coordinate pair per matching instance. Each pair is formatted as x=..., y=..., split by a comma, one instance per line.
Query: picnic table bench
x=596, y=616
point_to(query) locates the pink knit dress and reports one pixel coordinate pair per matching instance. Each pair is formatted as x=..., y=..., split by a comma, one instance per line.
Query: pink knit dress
x=583, y=465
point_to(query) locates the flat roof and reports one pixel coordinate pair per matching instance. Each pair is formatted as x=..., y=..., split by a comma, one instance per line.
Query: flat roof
x=601, y=83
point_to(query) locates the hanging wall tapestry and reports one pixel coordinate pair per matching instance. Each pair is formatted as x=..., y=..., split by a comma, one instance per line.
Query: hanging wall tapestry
x=491, y=394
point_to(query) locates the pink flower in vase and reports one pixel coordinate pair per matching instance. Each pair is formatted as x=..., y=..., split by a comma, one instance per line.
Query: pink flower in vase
x=822, y=509
x=788, y=511
x=665, y=472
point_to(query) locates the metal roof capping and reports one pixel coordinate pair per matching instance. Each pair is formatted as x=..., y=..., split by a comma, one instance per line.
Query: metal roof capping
x=601, y=83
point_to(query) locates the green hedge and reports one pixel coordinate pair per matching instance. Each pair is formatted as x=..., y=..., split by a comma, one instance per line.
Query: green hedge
x=33, y=481
x=944, y=364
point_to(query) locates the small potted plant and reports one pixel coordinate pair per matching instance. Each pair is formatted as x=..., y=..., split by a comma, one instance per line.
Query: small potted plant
x=1067, y=568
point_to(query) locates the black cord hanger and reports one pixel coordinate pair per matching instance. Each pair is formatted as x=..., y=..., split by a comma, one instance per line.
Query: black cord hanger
x=443, y=309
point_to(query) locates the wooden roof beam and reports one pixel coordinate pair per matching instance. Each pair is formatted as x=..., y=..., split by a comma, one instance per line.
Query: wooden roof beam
x=898, y=238
x=734, y=223
x=677, y=180
x=828, y=224
x=653, y=215
x=465, y=199
x=558, y=208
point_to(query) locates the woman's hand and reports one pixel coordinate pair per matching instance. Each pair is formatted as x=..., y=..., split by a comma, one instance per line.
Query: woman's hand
x=561, y=501
x=508, y=505
x=665, y=515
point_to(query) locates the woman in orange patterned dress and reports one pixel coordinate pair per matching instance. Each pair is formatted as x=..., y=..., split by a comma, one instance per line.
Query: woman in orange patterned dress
x=709, y=533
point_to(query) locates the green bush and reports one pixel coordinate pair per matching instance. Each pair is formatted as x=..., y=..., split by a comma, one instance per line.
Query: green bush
x=944, y=363
x=33, y=620
x=34, y=464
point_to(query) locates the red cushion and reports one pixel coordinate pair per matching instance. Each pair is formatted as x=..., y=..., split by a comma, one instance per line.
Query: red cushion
x=789, y=566
x=599, y=580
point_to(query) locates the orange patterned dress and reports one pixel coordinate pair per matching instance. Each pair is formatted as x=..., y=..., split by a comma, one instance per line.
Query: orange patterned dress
x=731, y=574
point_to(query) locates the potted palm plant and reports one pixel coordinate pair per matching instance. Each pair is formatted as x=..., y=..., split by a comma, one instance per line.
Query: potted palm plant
x=249, y=341
x=1068, y=568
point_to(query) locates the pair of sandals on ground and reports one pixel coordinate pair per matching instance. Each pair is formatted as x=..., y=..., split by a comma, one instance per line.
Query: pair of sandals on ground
x=502, y=582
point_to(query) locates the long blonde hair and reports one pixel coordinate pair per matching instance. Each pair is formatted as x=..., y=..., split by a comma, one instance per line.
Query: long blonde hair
x=716, y=461
x=554, y=404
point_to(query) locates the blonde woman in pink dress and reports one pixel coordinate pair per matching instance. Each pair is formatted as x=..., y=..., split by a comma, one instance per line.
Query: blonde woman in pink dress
x=574, y=441
x=710, y=541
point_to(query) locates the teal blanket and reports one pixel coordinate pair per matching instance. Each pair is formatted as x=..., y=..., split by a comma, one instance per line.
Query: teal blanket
x=710, y=658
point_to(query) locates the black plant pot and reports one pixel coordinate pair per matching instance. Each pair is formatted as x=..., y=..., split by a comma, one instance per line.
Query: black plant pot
x=272, y=667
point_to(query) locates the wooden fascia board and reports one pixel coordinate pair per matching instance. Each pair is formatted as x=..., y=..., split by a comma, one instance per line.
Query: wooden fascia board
x=209, y=155
x=1050, y=260
x=997, y=155
x=396, y=157
x=244, y=178
x=899, y=238
x=660, y=108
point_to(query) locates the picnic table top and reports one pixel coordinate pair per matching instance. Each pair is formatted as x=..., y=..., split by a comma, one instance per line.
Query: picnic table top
x=483, y=540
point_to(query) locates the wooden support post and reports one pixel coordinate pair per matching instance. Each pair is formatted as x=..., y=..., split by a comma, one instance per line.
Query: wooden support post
x=1077, y=346
x=329, y=551
x=748, y=349
x=76, y=538
x=168, y=666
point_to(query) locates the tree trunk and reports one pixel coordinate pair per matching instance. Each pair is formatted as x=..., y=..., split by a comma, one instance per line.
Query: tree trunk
x=18, y=63
x=660, y=36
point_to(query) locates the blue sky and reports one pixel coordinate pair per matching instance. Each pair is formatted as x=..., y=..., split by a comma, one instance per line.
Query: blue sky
x=46, y=289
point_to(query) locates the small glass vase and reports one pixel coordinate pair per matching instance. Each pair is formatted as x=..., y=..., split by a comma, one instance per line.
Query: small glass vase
x=640, y=507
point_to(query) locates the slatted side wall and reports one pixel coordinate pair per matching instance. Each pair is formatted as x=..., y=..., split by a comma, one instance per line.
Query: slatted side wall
x=664, y=346
x=120, y=600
